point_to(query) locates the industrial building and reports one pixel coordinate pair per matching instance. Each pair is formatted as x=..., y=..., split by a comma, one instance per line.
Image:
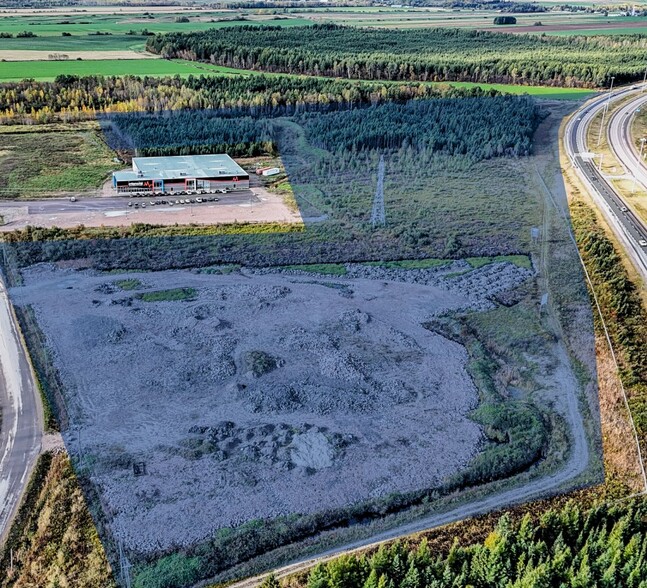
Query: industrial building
x=181, y=174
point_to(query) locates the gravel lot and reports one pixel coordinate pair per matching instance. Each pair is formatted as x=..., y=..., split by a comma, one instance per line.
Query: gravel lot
x=265, y=394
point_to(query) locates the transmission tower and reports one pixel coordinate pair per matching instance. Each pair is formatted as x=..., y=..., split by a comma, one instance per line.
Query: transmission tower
x=378, y=216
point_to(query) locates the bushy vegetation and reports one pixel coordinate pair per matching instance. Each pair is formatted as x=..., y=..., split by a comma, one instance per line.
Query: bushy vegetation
x=574, y=547
x=80, y=98
x=416, y=54
x=477, y=128
x=505, y=20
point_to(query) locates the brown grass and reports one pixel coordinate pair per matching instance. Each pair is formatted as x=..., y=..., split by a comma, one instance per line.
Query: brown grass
x=55, y=543
x=620, y=454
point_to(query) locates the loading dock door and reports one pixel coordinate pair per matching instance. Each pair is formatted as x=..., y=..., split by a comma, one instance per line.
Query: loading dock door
x=189, y=184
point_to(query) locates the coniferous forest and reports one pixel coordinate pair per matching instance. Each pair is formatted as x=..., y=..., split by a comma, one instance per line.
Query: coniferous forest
x=604, y=546
x=479, y=128
x=414, y=54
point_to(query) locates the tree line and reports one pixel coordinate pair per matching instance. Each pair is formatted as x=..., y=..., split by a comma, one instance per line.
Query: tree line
x=70, y=98
x=189, y=133
x=479, y=128
x=414, y=54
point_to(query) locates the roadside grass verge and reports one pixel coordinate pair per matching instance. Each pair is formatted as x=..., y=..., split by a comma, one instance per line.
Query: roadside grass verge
x=171, y=295
x=53, y=540
x=48, y=379
x=622, y=308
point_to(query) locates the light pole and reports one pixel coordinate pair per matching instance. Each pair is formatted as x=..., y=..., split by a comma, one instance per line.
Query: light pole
x=606, y=107
x=644, y=80
x=642, y=146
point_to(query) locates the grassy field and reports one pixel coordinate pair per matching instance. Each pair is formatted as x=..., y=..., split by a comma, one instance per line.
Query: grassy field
x=607, y=32
x=48, y=70
x=41, y=161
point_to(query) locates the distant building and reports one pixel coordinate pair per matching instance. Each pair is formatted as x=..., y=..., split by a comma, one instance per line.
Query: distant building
x=184, y=173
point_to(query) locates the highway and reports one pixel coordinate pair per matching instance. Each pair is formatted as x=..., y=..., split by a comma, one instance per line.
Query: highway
x=22, y=416
x=627, y=226
x=621, y=141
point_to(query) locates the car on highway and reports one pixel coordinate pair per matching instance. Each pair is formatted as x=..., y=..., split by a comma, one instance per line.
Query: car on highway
x=623, y=208
x=642, y=243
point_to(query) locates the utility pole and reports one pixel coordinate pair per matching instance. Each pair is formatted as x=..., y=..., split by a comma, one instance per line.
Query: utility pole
x=642, y=146
x=606, y=107
x=644, y=81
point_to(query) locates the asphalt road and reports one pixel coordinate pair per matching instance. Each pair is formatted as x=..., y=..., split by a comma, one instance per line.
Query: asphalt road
x=621, y=141
x=116, y=203
x=22, y=419
x=629, y=228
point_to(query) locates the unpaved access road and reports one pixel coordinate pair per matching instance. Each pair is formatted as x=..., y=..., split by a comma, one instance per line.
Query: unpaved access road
x=22, y=420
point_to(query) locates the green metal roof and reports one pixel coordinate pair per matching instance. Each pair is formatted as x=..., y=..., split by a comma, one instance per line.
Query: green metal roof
x=181, y=167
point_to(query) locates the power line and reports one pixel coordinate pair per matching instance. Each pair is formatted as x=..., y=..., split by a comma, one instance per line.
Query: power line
x=378, y=215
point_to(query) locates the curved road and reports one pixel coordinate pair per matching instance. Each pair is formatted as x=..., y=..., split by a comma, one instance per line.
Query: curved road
x=22, y=417
x=627, y=226
x=621, y=141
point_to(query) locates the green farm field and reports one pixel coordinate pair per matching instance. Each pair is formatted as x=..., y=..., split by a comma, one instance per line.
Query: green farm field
x=48, y=70
x=124, y=30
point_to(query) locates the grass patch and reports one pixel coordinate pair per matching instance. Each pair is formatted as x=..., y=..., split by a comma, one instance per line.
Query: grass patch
x=34, y=164
x=48, y=380
x=518, y=260
x=130, y=284
x=170, y=295
x=329, y=269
